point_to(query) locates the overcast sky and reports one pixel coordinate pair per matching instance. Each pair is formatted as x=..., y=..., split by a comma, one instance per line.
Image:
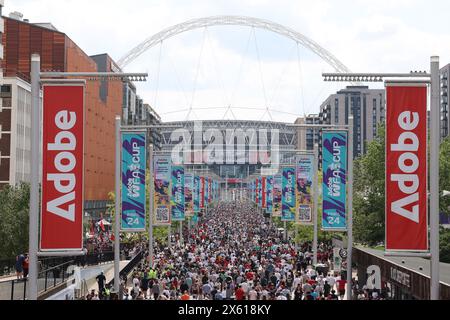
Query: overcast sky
x=246, y=68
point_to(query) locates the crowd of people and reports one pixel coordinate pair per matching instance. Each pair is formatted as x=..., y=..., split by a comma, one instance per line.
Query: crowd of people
x=234, y=253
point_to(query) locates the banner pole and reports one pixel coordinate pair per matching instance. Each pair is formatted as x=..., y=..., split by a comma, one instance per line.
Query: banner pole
x=117, y=211
x=434, y=178
x=151, y=215
x=350, y=210
x=34, y=188
x=316, y=196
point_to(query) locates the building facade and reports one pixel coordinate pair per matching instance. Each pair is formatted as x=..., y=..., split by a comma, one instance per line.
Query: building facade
x=103, y=102
x=135, y=112
x=367, y=106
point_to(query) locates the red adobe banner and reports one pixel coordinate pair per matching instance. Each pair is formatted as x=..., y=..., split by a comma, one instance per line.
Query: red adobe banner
x=202, y=192
x=264, y=191
x=406, y=167
x=62, y=168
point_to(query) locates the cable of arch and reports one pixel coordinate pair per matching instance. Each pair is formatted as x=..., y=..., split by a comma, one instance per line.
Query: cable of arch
x=233, y=20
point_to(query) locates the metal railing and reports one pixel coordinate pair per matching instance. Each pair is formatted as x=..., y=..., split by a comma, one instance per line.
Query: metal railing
x=7, y=266
x=52, y=272
x=130, y=266
x=54, y=276
x=47, y=279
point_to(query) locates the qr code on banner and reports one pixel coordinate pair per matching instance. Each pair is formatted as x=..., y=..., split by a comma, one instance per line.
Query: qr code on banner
x=162, y=214
x=304, y=213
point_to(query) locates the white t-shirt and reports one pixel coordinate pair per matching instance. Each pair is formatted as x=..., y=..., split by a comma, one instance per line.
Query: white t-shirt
x=244, y=286
x=136, y=284
x=253, y=295
x=331, y=281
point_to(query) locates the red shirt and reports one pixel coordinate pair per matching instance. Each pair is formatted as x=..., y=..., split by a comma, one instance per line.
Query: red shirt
x=341, y=284
x=239, y=294
x=185, y=297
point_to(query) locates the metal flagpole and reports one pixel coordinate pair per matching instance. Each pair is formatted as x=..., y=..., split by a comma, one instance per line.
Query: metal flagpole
x=434, y=178
x=316, y=201
x=117, y=211
x=34, y=188
x=151, y=215
x=350, y=210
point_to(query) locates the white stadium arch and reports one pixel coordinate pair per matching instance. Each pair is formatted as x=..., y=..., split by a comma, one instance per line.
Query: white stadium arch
x=167, y=33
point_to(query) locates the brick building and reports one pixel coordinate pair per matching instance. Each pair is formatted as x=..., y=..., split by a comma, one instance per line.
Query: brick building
x=103, y=102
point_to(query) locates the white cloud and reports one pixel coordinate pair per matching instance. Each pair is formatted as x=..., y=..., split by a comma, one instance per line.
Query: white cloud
x=366, y=35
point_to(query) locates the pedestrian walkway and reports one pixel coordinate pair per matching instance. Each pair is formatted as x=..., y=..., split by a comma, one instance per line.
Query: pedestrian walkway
x=234, y=253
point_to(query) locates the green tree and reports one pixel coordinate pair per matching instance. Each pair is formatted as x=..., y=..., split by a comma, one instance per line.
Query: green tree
x=14, y=220
x=444, y=175
x=444, y=244
x=369, y=189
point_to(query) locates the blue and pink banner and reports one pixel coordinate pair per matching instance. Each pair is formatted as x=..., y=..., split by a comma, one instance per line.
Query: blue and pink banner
x=260, y=193
x=177, y=200
x=334, y=187
x=269, y=196
x=288, y=199
x=133, y=181
x=196, y=194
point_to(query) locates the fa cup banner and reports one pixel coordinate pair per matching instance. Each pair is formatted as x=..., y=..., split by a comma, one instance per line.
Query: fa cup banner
x=260, y=193
x=188, y=194
x=406, y=167
x=62, y=168
x=305, y=173
x=334, y=187
x=288, y=194
x=133, y=195
x=161, y=197
x=177, y=201
x=196, y=195
x=269, y=183
x=277, y=180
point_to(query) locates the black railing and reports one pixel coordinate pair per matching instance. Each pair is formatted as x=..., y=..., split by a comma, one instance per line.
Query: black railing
x=129, y=267
x=54, y=276
x=52, y=272
x=7, y=266
x=47, y=279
